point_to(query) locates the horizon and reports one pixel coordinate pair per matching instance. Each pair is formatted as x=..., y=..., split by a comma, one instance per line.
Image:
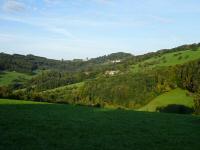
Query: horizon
x=78, y=29
x=88, y=58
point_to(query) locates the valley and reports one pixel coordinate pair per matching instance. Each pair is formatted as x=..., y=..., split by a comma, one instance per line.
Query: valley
x=119, y=80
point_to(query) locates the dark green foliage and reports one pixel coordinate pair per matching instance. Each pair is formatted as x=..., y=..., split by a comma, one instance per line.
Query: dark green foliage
x=188, y=76
x=129, y=90
x=23, y=63
x=113, y=56
x=53, y=79
x=31, y=63
x=180, y=57
x=5, y=92
x=186, y=57
x=197, y=104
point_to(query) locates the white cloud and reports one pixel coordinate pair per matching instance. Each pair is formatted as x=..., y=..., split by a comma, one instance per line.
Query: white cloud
x=13, y=6
x=44, y=24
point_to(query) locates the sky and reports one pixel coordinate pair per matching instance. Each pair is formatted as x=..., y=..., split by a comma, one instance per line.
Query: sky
x=89, y=28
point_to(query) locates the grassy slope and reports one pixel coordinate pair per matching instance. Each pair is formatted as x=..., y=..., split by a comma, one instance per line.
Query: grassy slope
x=66, y=86
x=8, y=77
x=171, y=59
x=27, y=125
x=176, y=96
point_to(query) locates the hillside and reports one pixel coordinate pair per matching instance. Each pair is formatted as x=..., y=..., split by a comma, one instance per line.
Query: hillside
x=176, y=96
x=31, y=63
x=167, y=59
x=31, y=125
x=118, y=80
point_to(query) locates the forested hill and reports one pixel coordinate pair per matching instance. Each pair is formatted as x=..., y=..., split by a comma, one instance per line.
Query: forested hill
x=31, y=63
x=116, y=80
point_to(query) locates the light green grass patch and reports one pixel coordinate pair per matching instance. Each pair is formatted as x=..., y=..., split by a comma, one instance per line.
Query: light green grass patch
x=168, y=59
x=7, y=78
x=176, y=96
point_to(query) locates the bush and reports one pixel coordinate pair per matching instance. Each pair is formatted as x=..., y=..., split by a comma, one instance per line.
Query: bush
x=164, y=61
x=195, y=48
x=187, y=56
x=180, y=57
x=177, y=54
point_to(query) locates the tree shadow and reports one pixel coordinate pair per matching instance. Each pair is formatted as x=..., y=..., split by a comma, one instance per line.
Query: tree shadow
x=175, y=108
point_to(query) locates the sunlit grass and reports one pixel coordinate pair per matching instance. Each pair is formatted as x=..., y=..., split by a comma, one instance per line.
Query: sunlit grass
x=168, y=59
x=176, y=96
x=7, y=78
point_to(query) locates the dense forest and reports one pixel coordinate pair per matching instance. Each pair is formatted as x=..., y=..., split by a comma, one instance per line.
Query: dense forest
x=119, y=79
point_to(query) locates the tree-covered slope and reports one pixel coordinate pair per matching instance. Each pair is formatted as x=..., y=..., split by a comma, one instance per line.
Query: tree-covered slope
x=31, y=63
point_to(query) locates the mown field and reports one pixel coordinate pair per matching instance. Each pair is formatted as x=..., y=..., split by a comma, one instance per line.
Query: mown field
x=26, y=125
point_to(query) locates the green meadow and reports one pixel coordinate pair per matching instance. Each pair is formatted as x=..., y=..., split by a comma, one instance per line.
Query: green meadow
x=167, y=59
x=176, y=96
x=7, y=77
x=26, y=125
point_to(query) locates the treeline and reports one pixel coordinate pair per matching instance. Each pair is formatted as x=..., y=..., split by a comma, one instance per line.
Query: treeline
x=113, y=56
x=31, y=63
x=189, y=76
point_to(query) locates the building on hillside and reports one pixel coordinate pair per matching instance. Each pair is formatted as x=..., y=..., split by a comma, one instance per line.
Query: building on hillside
x=111, y=72
x=116, y=61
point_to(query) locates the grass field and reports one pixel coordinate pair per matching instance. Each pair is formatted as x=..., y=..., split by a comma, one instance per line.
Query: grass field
x=29, y=125
x=7, y=78
x=176, y=96
x=168, y=59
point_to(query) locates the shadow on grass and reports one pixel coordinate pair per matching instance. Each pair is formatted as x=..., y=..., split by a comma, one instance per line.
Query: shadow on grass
x=175, y=108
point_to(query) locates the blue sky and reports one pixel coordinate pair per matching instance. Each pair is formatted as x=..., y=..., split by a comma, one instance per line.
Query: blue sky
x=88, y=28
